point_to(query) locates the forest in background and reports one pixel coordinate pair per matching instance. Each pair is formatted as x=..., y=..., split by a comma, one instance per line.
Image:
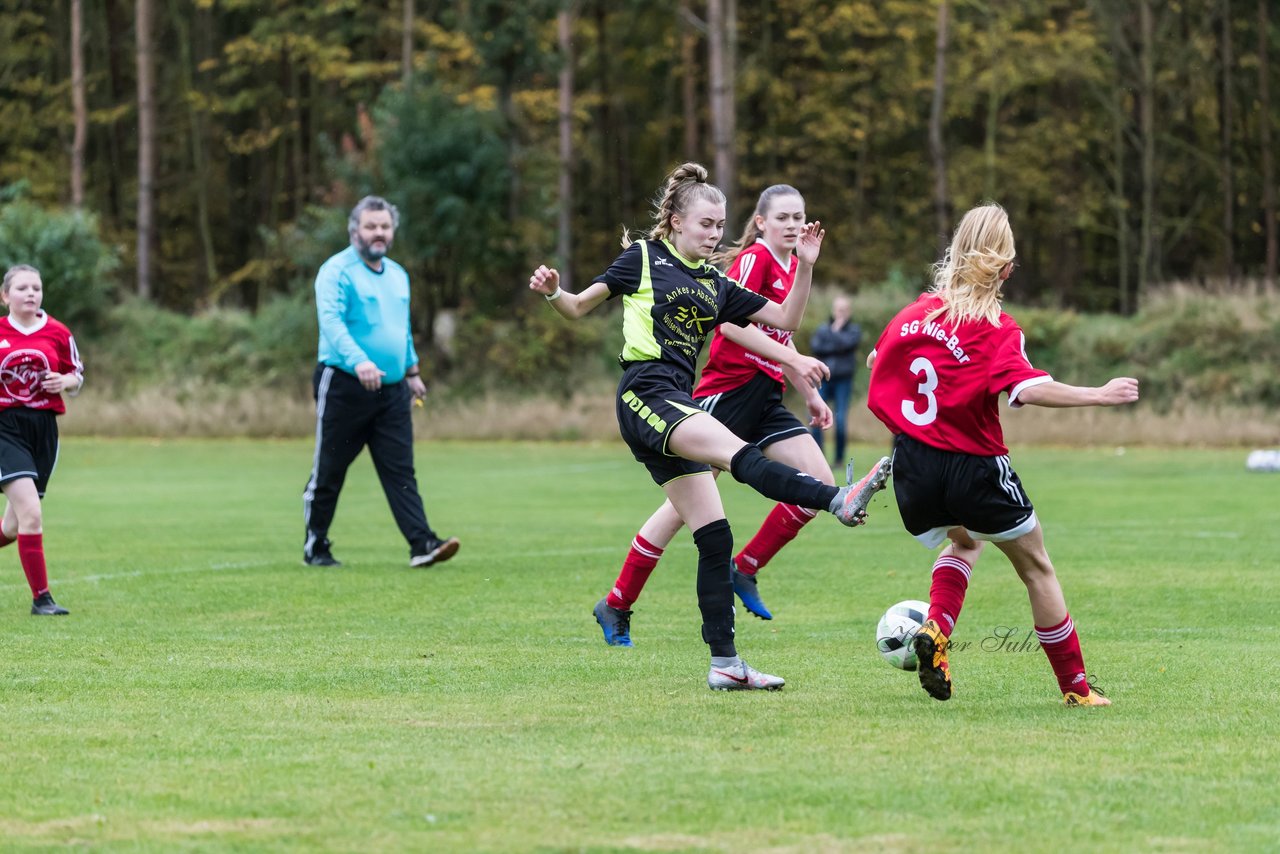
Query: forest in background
x=196, y=157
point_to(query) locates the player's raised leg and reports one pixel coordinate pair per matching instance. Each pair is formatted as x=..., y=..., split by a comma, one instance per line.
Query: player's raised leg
x=704, y=439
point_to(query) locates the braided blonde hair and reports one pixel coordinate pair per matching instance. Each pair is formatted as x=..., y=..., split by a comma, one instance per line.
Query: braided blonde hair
x=751, y=232
x=968, y=276
x=686, y=184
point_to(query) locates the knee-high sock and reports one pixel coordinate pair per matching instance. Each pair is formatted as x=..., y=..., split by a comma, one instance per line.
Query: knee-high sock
x=31, y=555
x=1061, y=644
x=641, y=560
x=779, y=481
x=715, y=587
x=946, y=592
x=779, y=528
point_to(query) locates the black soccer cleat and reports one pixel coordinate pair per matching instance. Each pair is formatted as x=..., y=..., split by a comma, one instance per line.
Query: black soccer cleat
x=933, y=668
x=435, y=551
x=44, y=606
x=320, y=553
x=614, y=622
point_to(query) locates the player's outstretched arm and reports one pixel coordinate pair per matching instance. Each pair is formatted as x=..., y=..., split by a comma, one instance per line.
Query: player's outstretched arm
x=546, y=281
x=788, y=313
x=802, y=370
x=1118, y=391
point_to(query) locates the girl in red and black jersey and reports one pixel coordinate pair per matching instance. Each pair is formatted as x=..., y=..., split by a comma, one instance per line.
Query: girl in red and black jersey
x=742, y=385
x=937, y=373
x=672, y=299
x=38, y=362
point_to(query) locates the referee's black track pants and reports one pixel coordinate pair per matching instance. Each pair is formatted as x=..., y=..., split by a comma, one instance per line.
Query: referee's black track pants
x=349, y=417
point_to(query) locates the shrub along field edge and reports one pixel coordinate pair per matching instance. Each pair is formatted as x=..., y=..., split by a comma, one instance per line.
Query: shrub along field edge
x=587, y=415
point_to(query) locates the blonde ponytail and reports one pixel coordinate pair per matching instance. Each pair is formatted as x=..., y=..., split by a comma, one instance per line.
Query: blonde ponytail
x=968, y=276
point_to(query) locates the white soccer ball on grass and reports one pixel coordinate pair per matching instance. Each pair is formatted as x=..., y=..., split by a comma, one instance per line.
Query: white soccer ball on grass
x=896, y=631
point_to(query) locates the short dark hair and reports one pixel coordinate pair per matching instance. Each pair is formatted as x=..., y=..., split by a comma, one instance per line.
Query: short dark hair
x=371, y=203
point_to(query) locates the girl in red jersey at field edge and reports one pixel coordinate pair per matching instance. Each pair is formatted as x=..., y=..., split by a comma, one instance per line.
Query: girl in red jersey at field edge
x=38, y=362
x=937, y=374
x=742, y=386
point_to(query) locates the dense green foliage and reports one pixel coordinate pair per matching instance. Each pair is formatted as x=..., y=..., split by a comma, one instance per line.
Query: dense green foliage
x=1187, y=346
x=75, y=265
x=270, y=111
x=209, y=693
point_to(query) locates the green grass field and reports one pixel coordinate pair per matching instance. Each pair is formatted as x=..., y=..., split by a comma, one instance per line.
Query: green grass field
x=209, y=692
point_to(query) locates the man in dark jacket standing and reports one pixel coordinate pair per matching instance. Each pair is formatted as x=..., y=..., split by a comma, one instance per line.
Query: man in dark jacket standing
x=836, y=344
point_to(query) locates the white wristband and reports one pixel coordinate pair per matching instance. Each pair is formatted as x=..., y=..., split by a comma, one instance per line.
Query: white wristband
x=553, y=297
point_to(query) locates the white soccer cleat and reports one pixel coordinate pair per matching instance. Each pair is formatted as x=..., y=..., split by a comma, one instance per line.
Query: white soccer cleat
x=742, y=677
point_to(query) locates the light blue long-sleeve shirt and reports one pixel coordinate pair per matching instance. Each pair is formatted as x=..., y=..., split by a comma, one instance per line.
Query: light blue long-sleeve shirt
x=364, y=315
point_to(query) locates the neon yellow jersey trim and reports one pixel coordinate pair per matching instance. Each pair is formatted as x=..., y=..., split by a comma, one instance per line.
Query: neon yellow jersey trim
x=639, y=342
x=689, y=412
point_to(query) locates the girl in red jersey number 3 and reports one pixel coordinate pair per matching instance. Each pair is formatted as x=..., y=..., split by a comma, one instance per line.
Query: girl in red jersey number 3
x=38, y=362
x=937, y=374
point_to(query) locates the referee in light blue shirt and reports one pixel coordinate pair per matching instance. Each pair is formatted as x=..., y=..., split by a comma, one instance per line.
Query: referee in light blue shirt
x=365, y=383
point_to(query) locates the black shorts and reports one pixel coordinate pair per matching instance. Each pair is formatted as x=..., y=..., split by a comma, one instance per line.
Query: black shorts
x=652, y=399
x=938, y=490
x=754, y=412
x=28, y=445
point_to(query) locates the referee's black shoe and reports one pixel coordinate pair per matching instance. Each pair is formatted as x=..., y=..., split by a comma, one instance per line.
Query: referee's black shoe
x=44, y=606
x=320, y=556
x=435, y=551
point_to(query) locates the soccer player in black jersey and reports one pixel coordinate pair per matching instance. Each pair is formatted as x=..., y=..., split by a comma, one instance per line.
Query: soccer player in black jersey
x=672, y=300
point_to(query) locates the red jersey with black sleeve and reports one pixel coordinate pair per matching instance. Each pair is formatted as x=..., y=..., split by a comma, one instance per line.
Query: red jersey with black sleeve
x=940, y=383
x=730, y=365
x=26, y=354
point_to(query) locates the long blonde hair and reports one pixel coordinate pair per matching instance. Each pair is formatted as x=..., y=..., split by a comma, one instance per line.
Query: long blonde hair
x=724, y=258
x=686, y=184
x=968, y=276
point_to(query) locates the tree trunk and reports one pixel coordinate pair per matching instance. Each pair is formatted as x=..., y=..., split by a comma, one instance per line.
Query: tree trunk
x=1147, y=134
x=722, y=124
x=146, y=145
x=116, y=33
x=79, y=111
x=406, y=45
x=1119, y=201
x=564, y=230
x=301, y=190
x=937, y=151
x=199, y=163
x=994, y=97
x=689, y=65
x=1228, y=183
x=1268, y=162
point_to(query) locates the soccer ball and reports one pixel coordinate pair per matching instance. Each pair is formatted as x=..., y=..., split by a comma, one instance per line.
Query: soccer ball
x=897, y=630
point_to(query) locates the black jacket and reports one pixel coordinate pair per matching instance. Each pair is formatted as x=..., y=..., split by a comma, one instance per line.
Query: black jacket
x=837, y=348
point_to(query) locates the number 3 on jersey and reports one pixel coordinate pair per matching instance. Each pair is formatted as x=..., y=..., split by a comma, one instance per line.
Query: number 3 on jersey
x=922, y=367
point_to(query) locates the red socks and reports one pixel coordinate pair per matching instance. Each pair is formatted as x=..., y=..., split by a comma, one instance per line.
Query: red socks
x=1062, y=645
x=946, y=592
x=31, y=555
x=779, y=528
x=4, y=541
x=641, y=560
